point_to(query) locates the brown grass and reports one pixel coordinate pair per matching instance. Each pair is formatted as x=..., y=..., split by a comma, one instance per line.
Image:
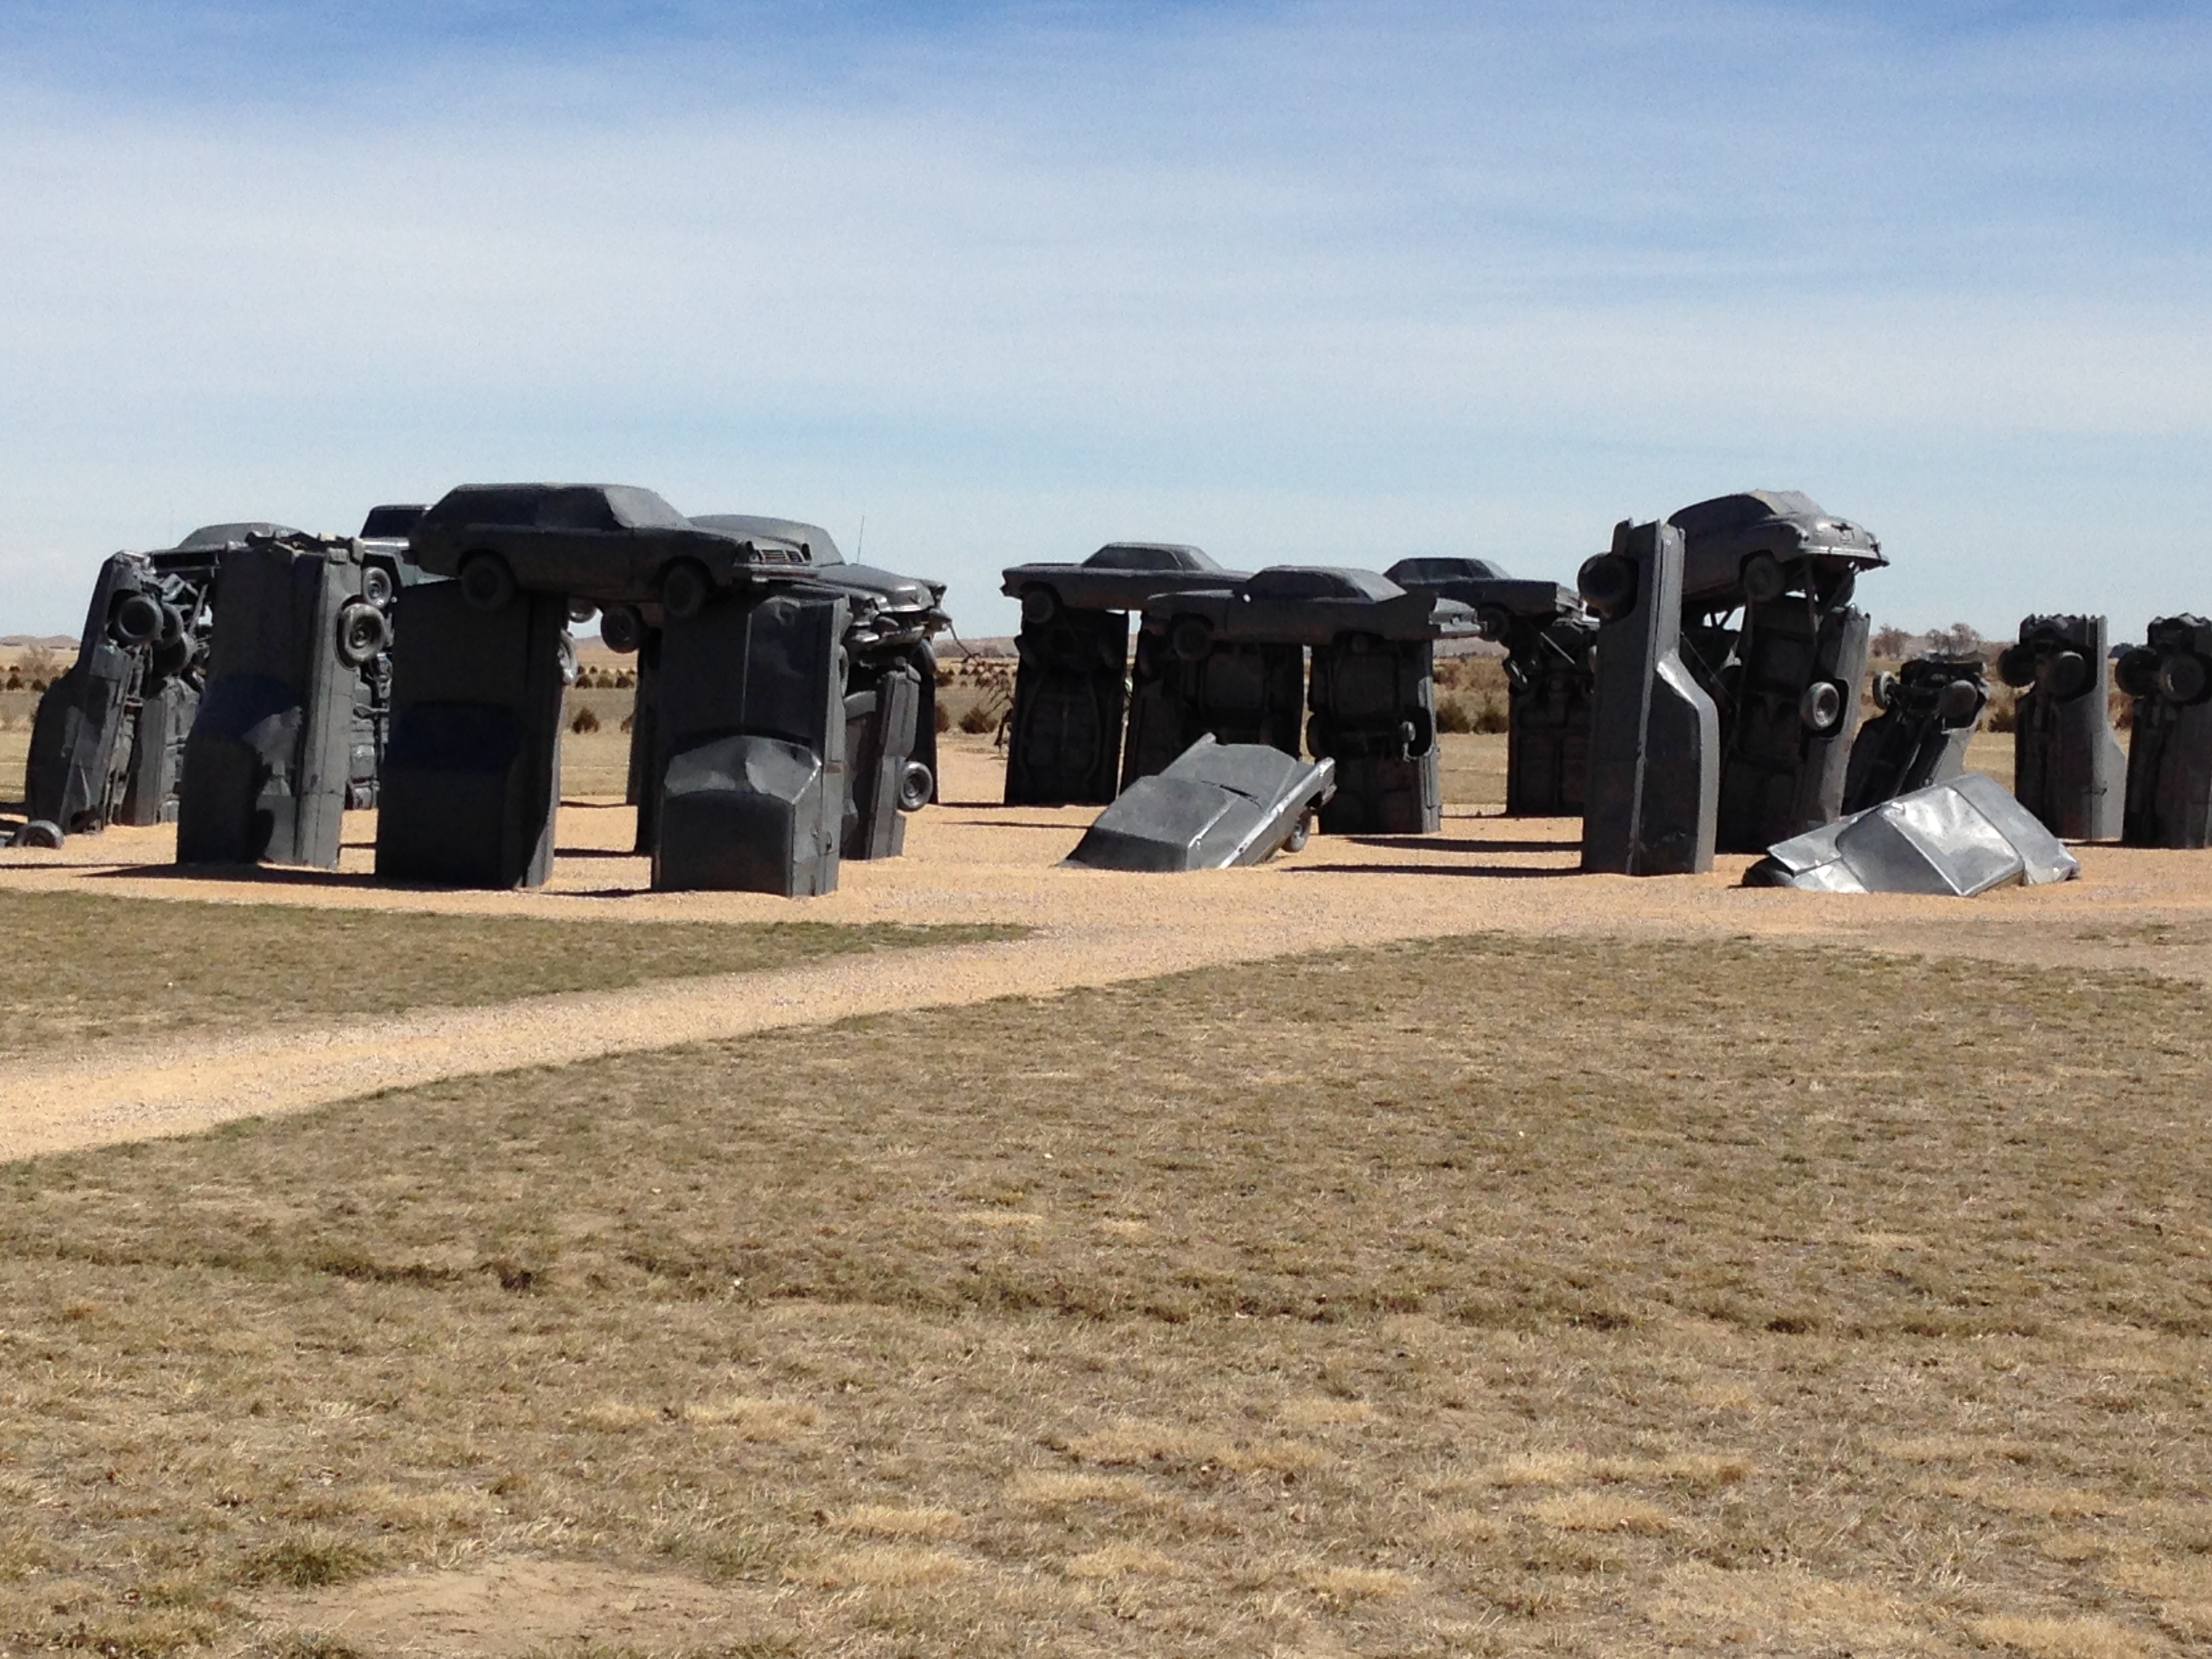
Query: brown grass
x=85, y=970
x=1720, y=1296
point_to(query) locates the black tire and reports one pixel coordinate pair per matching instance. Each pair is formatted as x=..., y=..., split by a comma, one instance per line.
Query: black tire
x=1191, y=638
x=136, y=620
x=377, y=586
x=568, y=657
x=2137, y=672
x=1763, y=578
x=916, y=786
x=2016, y=666
x=1885, y=688
x=2069, y=676
x=1821, y=706
x=685, y=588
x=1608, y=585
x=486, y=582
x=1301, y=833
x=363, y=631
x=1959, y=705
x=1493, y=622
x=581, y=611
x=2182, y=677
x=1039, y=606
x=622, y=630
x=39, y=832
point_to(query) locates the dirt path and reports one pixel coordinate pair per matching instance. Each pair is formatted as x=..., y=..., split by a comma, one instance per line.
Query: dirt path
x=2151, y=910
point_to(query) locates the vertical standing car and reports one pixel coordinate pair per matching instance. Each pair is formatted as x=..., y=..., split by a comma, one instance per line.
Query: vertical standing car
x=1784, y=677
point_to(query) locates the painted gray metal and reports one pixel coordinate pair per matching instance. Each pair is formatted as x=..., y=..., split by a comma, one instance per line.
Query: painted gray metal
x=1071, y=687
x=1237, y=694
x=1757, y=544
x=1119, y=576
x=608, y=543
x=1216, y=807
x=1930, y=708
x=2169, y=800
x=1961, y=837
x=271, y=749
x=73, y=777
x=1072, y=693
x=2067, y=766
x=1372, y=710
x=1550, y=674
x=472, y=771
x=1654, y=791
x=886, y=776
x=751, y=779
x=1227, y=661
x=1769, y=636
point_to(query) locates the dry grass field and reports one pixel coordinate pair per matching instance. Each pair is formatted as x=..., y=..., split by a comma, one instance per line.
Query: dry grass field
x=1463, y=1296
x=88, y=970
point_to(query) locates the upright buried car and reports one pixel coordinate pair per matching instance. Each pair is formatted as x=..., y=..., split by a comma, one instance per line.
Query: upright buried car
x=1071, y=688
x=1227, y=661
x=107, y=743
x=1784, y=678
x=1550, y=675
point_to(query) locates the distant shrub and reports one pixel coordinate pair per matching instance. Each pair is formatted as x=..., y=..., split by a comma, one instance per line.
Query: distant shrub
x=1493, y=716
x=2002, y=715
x=1452, y=715
x=978, y=720
x=627, y=722
x=944, y=718
x=585, y=720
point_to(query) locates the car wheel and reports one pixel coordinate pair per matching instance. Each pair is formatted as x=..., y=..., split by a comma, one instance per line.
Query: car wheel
x=1764, y=579
x=1039, y=606
x=137, y=619
x=486, y=582
x=1301, y=833
x=581, y=611
x=1959, y=705
x=916, y=786
x=2181, y=678
x=363, y=631
x=1608, y=585
x=685, y=588
x=376, y=586
x=1885, y=688
x=39, y=832
x=1190, y=638
x=1821, y=707
x=622, y=630
x=2016, y=666
x=2137, y=672
x=2069, y=676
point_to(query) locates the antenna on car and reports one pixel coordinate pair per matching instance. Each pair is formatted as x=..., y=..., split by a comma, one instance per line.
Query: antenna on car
x=861, y=545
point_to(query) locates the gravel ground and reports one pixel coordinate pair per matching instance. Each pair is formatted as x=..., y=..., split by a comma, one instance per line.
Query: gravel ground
x=973, y=861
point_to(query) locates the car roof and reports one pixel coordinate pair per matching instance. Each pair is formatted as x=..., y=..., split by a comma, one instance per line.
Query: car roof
x=527, y=505
x=219, y=535
x=1150, y=556
x=1299, y=581
x=820, y=547
x=1747, y=507
x=1407, y=572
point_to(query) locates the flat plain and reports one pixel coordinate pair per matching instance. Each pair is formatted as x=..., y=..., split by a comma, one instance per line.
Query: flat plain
x=1410, y=1247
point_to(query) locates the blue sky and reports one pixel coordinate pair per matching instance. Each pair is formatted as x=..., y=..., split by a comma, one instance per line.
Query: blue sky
x=1297, y=282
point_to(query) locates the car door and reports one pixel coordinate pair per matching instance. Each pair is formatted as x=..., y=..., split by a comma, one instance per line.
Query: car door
x=582, y=548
